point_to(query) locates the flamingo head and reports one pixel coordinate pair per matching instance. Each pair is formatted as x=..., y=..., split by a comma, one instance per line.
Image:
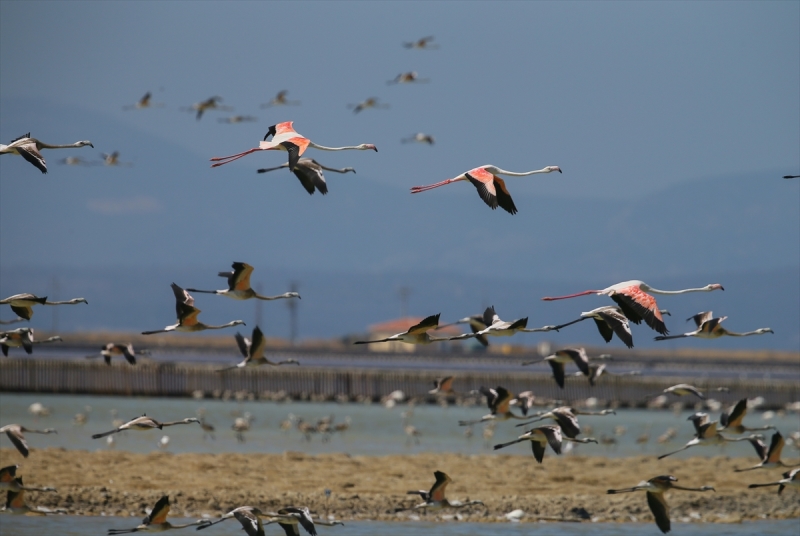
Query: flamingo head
x=715, y=286
x=365, y=146
x=84, y=143
x=553, y=168
x=761, y=331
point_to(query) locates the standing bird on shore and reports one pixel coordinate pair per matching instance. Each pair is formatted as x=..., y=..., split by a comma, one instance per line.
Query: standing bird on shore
x=22, y=304
x=145, y=423
x=28, y=148
x=9, y=481
x=498, y=400
x=239, y=285
x=655, y=488
x=711, y=328
x=371, y=102
x=790, y=478
x=707, y=434
x=253, y=351
x=419, y=137
x=732, y=422
x=280, y=100
x=416, y=334
x=22, y=337
x=156, y=521
x=558, y=360
x=635, y=302
x=187, y=315
x=769, y=458
x=491, y=188
x=567, y=418
x=435, y=499
x=14, y=433
x=422, y=44
x=309, y=171
x=113, y=349
x=500, y=328
x=285, y=138
x=542, y=436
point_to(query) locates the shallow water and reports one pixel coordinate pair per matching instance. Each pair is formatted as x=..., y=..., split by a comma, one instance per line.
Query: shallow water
x=374, y=430
x=83, y=526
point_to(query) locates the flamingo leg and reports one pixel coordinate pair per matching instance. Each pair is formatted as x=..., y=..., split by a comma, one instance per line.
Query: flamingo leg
x=418, y=189
x=231, y=158
x=584, y=293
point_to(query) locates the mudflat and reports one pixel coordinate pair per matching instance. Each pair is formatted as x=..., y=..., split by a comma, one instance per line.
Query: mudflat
x=568, y=487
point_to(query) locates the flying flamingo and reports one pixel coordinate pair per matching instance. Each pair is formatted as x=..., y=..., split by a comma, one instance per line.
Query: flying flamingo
x=408, y=78
x=14, y=433
x=790, y=478
x=769, y=458
x=499, y=328
x=187, y=315
x=419, y=137
x=707, y=434
x=371, y=102
x=711, y=328
x=422, y=43
x=542, y=436
x=22, y=304
x=791, y=176
x=476, y=324
x=284, y=138
x=253, y=351
x=280, y=100
x=635, y=302
x=609, y=320
x=416, y=334
x=209, y=104
x=491, y=188
x=156, y=521
x=9, y=482
x=115, y=349
x=309, y=171
x=435, y=499
x=732, y=422
x=566, y=418
x=145, y=423
x=28, y=148
x=22, y=337
x=498, y=399
x=144, y=102
x=443, y=385
x=239, y=285
x=655, y=488
x=561, y=358
x=595, y=371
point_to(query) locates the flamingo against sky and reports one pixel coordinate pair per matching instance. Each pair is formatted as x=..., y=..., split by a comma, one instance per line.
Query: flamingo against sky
x=239, y=285
x=500, y=328
x=22, y=337
x=28, y=148
x=491, y=188
x=187, y=315
x=284, y=138
x=371, y=102
x=408, y=78
x=422, y=43
x=419, y=137
x=144, y=102
x=635, y=302
x=22, y=304
x=711, y=328
x=609, y=320
x=280, y=100
x=309, y=171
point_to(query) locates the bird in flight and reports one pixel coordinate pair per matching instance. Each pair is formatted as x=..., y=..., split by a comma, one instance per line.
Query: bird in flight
x=239, y=285
x=309, y=171
x=187, y=315
x=28, y=148
x=423, y=43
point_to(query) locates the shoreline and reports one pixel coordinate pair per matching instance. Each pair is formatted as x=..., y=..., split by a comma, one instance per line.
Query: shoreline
x=570, y=488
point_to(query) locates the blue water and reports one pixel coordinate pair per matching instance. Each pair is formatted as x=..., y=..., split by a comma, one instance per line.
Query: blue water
x=84, y=526
x=375, y=430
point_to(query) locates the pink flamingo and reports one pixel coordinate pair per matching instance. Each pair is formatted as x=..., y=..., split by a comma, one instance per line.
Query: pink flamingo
x=284, y=138
x=635, y=302
x=491, y=188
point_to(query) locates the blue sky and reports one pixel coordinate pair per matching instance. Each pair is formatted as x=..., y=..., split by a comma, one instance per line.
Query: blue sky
x=628, y=98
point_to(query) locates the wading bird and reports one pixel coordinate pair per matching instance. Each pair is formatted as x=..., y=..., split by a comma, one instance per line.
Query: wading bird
x=9, y=481
x=711, y=328
x=14, y=433
x=655, y=488
x=558, y=360
x=435, y=499
x=732, y=422
x=419, y=137
x=239, y=285
x=609, y=320
x=498, y=400
x=410, y=77
x=423, y=43
x=187, y=315
x=144, y=102
x=253, y=351
x=769, y=458
x=635, y=302
x=280, y=100
x=22, y=337
x=22, y=304
x=416, y=334
x=284, y=138
x=112, y=349
x=567, y=419
x=212, y=103
x=371, y=102
x=156, y=521
x=145, y=423
x=542, y=436
x=491, y=188
x=790, y=478
x=707, y=434
x=28, y=148
x=595, y=371
x=500, y=328
x=309, y=171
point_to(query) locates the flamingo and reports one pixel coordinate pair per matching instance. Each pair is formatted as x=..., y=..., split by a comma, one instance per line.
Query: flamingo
x=284, y=138
x=113, y=160
x=408, y=78
x=187, y=315
x=769, y=457
x=419, y=137
x=635, y=302
x=542, y=436
x=253, y=352
x=423, y=43
x=212, y=103
x=28, y=148
x=595, y=371
x=249, y=511
x=524, y=400
x=733, y=422
x=707, y=434
x=144, y=102
x=9, y=482
x=416, y=334
x=498, y=400
x=655, y=488
x=22, y=337
x=500, y=328
x=12, y=321
x=371, y=102
x=238, y=119
x=443, y=386
x=790, y=478
x=15, y=501
x=791, y=176
x=566, y=418
x=280, y=100
x=14, y=433
x=476, y=324
x=145, y=423
x=683, y=389
x=711, y=328
x=435, y=499
x=609, y=320
x=156, y=521
x=73, y=161
x=491, y=188
x=309, y=171
x=558, y=360
x=239, y=285
x=290, y=517
x=22, y=304
x=113, y=349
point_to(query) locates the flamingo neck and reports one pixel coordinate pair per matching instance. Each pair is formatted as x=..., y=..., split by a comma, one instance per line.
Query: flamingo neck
x=684, y=291
x=584, y=293
x=499, y=171
x=323, y=148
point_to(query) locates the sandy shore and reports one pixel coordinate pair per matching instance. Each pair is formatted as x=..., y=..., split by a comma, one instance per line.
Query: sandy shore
x=362, y=487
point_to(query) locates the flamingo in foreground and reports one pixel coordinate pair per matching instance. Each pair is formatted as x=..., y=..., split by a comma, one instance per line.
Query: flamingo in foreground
x=14, y=433
x=22, y=337
x=732, y=422
x=309, y=171
x=655, y=488
x=416, y=334
x=253, y=351
x=542, y=436
x=9, y=481
x=711, y=328
x=498, y=399
x=187, y=315
x=284, y=138
x=435, y=499
x=239, y=285
x=790, y=478
x=558, y=360
x=145, y=423
x=707, y=434
x=22, y=304
x=491, y=188
x=156, y=521
x=28, y=148
x=635, y=302
x=500, y=328
x=609, y=320
x=769, y=457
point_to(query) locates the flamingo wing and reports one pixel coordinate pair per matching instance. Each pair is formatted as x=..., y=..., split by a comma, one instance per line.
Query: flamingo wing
x=23, y=311
x=558, y=372
x=243, y=344
x=31, y=154
x=159, y=513
x=490, y=317
x=187, y=315
x=181, y=296
x=503, y=197
x=736, y=415
x=522, y=323
x=538, y=450
x=309, y=173
x=643, y=305
x=553, y=435
x=617, y=322
x=605, y=330
x=701, y=318
x=504, y=397
x=660, y=510
x=426, y=324
x=437, y=491
x=19, y=442
x=775, y=448
x=250, y=523
x=485, y=187
x=240, y=280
